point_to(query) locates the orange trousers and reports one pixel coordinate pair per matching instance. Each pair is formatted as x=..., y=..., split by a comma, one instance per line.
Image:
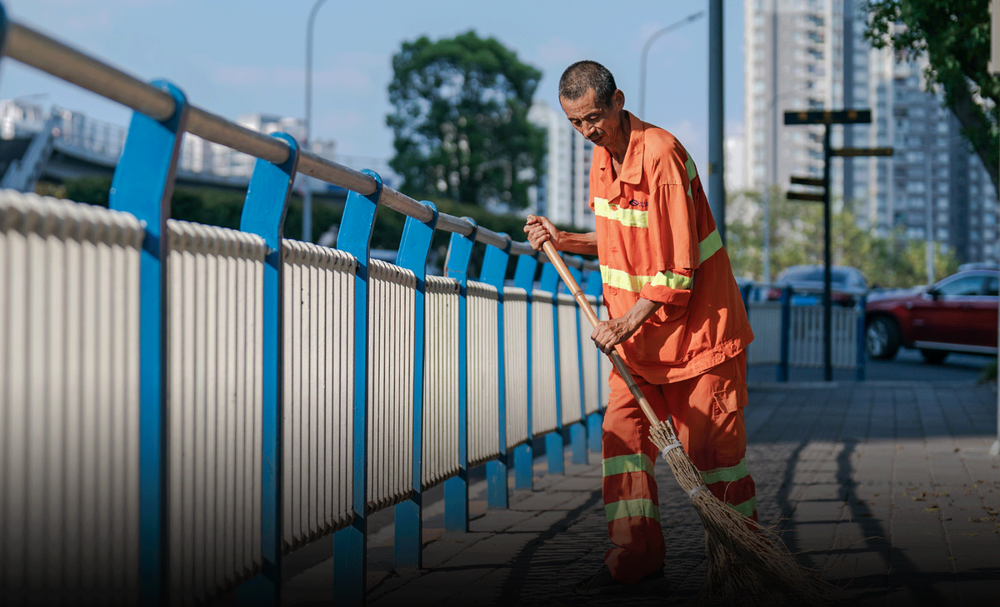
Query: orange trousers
x=707, y=412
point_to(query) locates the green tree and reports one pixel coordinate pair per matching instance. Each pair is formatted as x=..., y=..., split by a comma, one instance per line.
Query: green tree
x=461, y=120
x=955, y=34
x=797, y=238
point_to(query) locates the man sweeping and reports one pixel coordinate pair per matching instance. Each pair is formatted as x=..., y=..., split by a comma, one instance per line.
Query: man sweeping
x=677, y=318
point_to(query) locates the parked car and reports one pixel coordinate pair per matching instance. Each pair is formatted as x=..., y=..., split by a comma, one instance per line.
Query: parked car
x=847, y=286
x=957, y=314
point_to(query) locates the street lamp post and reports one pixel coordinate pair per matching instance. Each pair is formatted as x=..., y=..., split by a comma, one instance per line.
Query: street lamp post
x=307, y=195
x=772, y=111
x=645, y=53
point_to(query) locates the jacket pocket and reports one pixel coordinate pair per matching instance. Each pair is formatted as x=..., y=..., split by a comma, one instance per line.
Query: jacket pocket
x=730, y=399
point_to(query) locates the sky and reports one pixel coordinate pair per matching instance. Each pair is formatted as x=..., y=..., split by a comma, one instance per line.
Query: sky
x=242, y=56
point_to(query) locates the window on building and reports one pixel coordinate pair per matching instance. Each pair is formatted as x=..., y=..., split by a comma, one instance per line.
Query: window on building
x=915, y=233
x=914, y=156
x=917, y=187
x=942, y=234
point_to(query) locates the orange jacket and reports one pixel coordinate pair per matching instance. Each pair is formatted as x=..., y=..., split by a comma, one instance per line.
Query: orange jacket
x=656, y=239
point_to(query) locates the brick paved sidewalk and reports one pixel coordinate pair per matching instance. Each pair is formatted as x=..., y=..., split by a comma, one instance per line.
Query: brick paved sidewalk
x=886, y=487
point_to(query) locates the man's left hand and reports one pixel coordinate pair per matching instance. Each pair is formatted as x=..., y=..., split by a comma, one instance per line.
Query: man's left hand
x=609, y=333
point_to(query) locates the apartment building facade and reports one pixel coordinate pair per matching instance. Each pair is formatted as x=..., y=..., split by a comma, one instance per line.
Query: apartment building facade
x=812, y=54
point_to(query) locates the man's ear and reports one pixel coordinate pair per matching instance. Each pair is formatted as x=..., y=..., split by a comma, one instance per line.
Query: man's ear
x=618, y=100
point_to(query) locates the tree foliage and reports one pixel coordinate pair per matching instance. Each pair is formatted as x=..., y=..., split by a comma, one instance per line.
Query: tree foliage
x=955, y=34
x=797, y=238
x=461, y=120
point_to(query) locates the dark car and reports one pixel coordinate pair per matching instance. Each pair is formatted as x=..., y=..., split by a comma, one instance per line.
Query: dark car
x=958, y=314
x=847, y=285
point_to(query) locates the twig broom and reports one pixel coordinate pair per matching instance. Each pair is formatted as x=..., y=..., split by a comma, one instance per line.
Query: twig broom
x=744, y=559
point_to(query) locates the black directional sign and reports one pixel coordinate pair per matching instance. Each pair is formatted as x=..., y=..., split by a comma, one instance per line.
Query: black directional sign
x=829, y=117
x=850, y=152
x=806, y=196
x=814, y=181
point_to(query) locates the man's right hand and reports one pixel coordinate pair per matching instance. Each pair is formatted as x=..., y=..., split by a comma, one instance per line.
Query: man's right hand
x=540, y=229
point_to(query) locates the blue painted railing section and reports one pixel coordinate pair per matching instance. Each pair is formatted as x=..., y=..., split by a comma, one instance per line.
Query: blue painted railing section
x=350, y=545
x=595, y=288
x=412, y=256
x=524, y=278
x=456, y=489
x=142, y=185
x=264, y=214
x=578, y=431
x=493, y=273
x=554, y=440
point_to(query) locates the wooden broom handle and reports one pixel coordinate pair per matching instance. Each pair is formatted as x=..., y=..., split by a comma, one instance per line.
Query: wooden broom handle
x=588, y=311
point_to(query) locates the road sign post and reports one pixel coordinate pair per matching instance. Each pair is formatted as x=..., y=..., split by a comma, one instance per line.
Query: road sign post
x=994, y=68
x=828, y=118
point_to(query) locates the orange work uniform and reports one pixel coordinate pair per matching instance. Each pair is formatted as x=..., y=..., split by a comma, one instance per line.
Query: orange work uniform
x=657, y=240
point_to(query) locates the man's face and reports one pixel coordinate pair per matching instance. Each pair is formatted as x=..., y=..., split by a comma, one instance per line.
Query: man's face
x=594, y=120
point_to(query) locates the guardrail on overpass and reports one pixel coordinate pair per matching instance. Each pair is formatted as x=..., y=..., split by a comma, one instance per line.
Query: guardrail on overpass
x=185, y=404
x=194, y=402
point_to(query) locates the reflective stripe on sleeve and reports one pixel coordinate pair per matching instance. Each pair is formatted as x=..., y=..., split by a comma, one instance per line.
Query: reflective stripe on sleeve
x=630, y=218
x=709, y=246
x=623, y=280
x=632, y=508
x=729, y=475
x=636, y=462
x=692, y=173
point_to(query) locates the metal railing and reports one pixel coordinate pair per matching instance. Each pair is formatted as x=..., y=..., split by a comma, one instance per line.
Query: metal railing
x=788, y=335
x=229, y=395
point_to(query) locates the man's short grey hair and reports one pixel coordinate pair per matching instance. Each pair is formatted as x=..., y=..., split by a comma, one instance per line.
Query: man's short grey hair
x=584, y=75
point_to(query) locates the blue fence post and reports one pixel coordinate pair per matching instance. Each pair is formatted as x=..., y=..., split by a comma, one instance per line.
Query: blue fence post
x=456, y=488
x=554, y=440
x=860, y=373
x=524, y=278
x=142, y=185
x=745, y=294
x=264, y=214
x=494, y=272
x=350, y=544
x=3, y=26
x=578, y=431
x=594, y=421
x=786, y=322
x=412, y=256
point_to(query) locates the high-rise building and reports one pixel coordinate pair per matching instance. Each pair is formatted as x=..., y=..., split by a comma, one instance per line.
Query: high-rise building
x=811, y=54
x=563, y=190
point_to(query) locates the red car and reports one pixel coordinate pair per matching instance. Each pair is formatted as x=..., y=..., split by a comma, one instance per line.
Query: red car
x=958, y=314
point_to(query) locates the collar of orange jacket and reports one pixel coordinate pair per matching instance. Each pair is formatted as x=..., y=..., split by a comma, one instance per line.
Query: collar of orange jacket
x=632, y=166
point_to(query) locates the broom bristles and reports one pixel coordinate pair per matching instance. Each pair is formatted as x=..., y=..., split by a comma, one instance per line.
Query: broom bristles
x=744, y=558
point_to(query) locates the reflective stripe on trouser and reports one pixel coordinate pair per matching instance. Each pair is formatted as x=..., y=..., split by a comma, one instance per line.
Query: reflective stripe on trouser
x=708, y=414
